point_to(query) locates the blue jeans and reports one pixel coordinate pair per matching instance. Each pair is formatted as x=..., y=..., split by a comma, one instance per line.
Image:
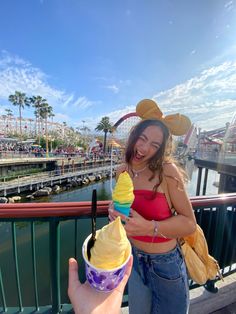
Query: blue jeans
x=158, y=283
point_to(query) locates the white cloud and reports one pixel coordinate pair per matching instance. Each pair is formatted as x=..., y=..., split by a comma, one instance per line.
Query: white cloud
x=113, y=84
x=61, y=117
x=114, y=88
x=209, y=99
x=229, y=5
x=125, y=82
x=82, y=103
x=68, y=101
x=18, y=74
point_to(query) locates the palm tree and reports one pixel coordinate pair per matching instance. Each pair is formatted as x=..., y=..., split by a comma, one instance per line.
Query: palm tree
x=4, y=116
x=19, y=99
x=9, y=116
x=30, y=126
x=51, y=115
x=105, y=126
x=37, y=102
x=46, y=111
x=63, y=129
x=9, y=112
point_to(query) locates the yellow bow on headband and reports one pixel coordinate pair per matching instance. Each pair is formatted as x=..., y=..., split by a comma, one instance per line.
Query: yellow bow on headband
x=178, y=124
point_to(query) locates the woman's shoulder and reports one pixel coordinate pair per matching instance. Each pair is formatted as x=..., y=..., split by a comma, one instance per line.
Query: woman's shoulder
x=170, y=169
x=172, y=172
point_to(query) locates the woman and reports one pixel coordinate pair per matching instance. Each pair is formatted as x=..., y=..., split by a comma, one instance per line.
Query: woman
x=158, y=283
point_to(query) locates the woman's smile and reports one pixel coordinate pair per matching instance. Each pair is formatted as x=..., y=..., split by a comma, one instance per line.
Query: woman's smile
x=147, y=144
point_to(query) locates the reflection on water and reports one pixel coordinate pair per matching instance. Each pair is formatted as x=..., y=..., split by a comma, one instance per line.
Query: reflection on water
x=67, y=235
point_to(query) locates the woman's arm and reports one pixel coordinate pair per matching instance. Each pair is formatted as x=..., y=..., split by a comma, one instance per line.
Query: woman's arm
x=184, y=223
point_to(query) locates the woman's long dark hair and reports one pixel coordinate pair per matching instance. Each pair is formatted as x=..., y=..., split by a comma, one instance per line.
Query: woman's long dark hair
x=162, y=155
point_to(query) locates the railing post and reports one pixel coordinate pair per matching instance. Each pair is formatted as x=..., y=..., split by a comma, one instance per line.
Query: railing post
x=2, y=293
x=205, y=182
x=55, y=265
x=199, y=178
x=15, y=254
x=218, y=243
x=34, y=266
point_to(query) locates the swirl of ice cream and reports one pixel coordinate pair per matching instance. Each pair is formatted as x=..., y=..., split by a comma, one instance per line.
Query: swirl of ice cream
x=111, y=247
x=123, y=195
x=123, y=191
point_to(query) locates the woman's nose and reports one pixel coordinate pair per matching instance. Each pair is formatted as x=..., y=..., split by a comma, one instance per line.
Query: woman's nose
x=145, y=147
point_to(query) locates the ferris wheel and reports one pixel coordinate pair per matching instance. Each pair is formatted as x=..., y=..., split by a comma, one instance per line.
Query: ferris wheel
x=123, y=126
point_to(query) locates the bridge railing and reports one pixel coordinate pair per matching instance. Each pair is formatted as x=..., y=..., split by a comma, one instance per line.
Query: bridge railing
x=37, y=240
x=228, y=158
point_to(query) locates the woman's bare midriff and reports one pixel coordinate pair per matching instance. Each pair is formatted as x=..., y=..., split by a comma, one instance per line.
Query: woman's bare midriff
x=153, y=248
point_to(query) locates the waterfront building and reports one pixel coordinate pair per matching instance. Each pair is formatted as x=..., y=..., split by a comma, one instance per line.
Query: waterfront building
x=30, y=127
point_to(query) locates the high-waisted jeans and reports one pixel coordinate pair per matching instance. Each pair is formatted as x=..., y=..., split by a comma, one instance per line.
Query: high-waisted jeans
x=158, y=283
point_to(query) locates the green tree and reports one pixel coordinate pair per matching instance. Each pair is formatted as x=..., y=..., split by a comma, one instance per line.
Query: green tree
x=105, y=126
x=51, y=115
x=37, y=102
x=19, y=99
x=9, y=112
x=44, y=112
x=9, y=116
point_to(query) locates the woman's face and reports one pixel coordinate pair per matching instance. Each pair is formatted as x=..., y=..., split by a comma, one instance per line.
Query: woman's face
x=147, y=145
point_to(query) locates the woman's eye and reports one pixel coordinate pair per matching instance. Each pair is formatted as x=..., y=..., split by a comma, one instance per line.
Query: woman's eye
x=142, y=138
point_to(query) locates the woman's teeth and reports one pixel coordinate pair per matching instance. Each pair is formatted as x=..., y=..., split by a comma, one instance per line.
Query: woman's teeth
x=139, y=156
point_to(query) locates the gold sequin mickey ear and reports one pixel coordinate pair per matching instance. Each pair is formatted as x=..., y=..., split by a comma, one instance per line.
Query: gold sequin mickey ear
x=148, y=109
x=178, y=124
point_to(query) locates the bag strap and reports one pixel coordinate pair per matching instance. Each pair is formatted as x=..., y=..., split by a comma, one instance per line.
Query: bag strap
x=164, y=186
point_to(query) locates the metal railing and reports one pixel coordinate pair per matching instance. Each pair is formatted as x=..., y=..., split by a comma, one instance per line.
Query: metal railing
x=219, y=157
x=33, y=276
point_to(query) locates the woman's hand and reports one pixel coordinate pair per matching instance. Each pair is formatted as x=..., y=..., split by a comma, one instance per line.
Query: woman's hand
x=111, y=215
x=135, y=224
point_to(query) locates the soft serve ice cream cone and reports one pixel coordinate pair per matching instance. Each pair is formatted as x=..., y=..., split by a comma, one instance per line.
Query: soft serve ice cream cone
x=123, y=195
x=109, y=256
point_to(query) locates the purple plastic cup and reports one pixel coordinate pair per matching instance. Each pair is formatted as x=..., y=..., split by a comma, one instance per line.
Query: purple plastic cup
x=102, y=279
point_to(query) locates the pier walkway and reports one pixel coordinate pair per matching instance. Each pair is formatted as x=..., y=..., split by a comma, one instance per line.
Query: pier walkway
x=37, y=181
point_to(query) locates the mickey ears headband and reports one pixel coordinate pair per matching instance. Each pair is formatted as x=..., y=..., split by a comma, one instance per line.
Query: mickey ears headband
x=178, y=124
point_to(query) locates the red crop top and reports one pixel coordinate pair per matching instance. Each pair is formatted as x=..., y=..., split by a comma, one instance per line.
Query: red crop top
x=151, y=209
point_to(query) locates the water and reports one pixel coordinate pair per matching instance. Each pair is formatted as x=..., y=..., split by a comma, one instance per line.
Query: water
x=67, y=241
x=104, y=192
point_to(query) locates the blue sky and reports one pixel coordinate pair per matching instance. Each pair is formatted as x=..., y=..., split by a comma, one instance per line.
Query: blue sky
x=91, y=59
